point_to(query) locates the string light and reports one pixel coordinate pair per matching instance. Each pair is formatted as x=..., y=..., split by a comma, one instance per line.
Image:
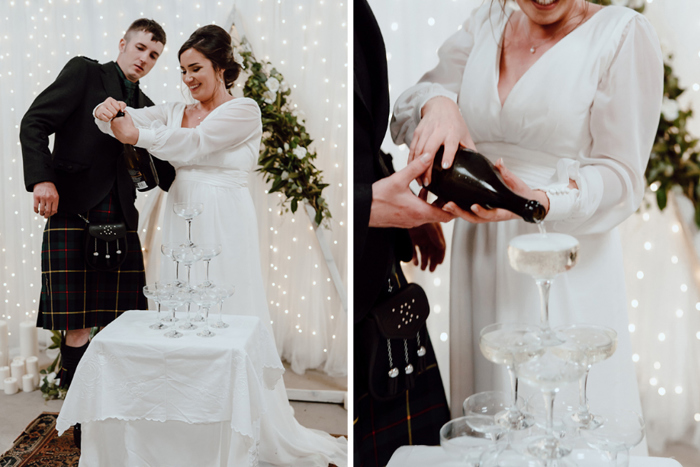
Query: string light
x=34, y=73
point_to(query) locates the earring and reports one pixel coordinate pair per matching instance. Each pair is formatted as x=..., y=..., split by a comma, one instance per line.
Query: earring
x=221, y=80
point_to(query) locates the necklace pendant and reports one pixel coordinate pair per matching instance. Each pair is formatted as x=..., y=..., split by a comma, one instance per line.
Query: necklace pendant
x=532, y=50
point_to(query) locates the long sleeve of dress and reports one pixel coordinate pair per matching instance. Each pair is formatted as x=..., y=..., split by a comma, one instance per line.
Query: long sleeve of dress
x=232, y=123
x=443, y=80
x=623, y=122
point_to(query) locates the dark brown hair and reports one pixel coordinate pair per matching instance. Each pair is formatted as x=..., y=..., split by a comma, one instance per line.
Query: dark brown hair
x=146, y=25
x=215, y=44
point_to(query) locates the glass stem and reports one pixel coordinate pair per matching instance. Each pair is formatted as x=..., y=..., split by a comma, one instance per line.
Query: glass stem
x=177, y=271
x=206, y=320
x=549, y=407
x=189, y=268
x=189, y=230
x=207, y=272
x=158, y=312
x=543, y=285
x=513, y=388
x=221, y=310
x=583, y=399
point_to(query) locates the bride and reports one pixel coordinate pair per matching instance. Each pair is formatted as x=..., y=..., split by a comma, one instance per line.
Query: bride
x=214, y=144
x=568, y=95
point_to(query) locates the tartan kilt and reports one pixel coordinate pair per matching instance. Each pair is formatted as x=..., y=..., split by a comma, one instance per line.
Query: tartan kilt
x=74, y=296
x=413, y=418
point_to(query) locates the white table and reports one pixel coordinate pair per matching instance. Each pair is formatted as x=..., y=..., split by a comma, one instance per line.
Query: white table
x=144, y=399
x=434, y=456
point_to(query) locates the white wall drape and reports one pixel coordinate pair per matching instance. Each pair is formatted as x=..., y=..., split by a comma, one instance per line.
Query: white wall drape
x=305, y=39
x=667, y=365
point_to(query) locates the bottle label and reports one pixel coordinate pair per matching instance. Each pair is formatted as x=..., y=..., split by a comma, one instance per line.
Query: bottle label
x=138, y=179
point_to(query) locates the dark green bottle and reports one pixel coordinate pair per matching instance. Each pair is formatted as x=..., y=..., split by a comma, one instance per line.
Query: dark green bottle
x=473, y=179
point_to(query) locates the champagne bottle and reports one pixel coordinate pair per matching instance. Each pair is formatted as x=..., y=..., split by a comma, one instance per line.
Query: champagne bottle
x=140, y=165
x=472, y=179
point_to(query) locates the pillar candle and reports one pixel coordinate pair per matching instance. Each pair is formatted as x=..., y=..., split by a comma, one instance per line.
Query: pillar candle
x=17, y=370
x=28, y=339
x=4, y=344
x=28, y=383
x=33, y=368
x=4, y=373
x=11, y=386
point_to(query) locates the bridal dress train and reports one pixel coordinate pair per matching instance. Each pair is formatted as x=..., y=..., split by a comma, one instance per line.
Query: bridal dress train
x=213, y=162
x=587, y=110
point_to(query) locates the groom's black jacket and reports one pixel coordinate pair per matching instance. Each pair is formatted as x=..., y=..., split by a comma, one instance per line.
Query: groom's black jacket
x=85, y=163
x=375, y=249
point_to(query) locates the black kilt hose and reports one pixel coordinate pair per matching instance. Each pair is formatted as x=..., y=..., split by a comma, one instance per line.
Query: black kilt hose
x=74, y=296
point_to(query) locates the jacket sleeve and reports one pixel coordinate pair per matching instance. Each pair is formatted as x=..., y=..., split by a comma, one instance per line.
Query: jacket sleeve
x=47, y=113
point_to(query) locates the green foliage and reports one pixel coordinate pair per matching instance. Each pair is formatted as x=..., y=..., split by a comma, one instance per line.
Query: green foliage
x=285, y=159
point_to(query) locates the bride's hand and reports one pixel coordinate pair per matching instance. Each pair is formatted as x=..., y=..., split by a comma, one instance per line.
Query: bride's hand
x=441, y=125
x=107, y=110
x=480, y=215
x=124, y=129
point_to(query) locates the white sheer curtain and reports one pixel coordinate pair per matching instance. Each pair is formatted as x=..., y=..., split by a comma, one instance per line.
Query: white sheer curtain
x=305, y=40
x=667, y=367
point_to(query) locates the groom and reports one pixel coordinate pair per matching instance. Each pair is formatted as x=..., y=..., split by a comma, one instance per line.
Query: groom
x=386, y=212
x=85, y=178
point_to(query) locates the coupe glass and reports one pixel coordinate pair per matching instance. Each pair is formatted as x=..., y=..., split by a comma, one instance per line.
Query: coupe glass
x=462, y=442
x=550, y=371
x=225, y=291
x=599, y=343
x=206, y=298
x=188, y=211
x=481, y=410
x=187, y=255
x=188, y=292
x=616, y=435
x=500, y=343
x=174, y=299
x=167, y=250
x=543, y=257
x=209, y=251
x=155, y=293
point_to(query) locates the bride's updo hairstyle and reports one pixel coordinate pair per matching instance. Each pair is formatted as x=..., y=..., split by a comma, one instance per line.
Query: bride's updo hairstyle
x=215, y=44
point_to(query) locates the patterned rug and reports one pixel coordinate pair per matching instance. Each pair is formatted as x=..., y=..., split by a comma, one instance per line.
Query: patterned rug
x=40, y=446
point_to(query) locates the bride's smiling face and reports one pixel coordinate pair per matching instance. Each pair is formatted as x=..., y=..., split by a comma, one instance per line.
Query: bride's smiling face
x=549, y=12
x=199, y=75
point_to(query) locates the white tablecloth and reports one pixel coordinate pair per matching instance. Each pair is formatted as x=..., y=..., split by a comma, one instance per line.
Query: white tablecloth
x=132, y=379
x=435, y=456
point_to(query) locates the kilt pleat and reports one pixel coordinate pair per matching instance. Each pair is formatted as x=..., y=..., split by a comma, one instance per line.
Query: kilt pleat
x=73, y=296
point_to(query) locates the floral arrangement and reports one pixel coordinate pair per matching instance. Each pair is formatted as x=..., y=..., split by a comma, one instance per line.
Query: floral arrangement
x=285, y=158
x=50, y=385
x=675, y=157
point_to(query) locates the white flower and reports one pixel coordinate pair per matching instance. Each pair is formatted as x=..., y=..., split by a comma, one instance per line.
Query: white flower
x=669, y=109
x=295, y=113
x=238, y=57
x=267, y=134
x=279, y=150
x=286, y=147
x=269, y=96
x=272, y=84
x=262, y=147
x=284, y=85
x=51, y=377
x=299, y=152
x=285, y=175
x=635, y=3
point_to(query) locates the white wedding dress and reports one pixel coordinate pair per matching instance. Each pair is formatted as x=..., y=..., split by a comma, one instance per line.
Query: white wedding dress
x=587, y=110
x=213, y=161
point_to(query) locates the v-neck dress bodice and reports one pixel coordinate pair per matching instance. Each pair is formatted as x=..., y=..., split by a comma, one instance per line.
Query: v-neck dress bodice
x=586, y=110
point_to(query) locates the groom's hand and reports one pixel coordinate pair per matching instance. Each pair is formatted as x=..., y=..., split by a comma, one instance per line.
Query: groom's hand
x=395, y=205
x=107, y=110
x=45, y=199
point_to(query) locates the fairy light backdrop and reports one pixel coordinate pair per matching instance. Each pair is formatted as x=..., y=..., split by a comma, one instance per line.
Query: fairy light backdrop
x=306, y=40
x=661, y=280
